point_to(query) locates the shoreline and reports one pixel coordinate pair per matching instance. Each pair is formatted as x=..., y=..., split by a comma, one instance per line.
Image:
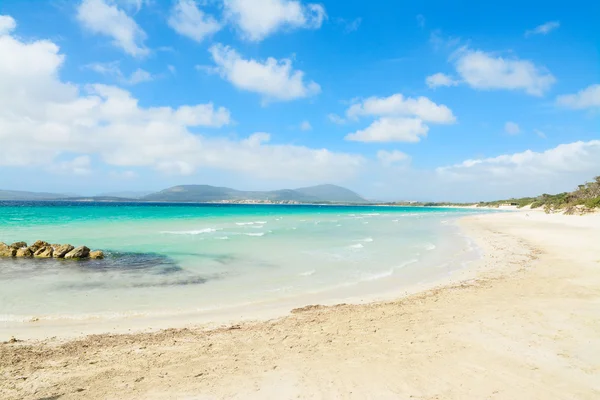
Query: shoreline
x=396, y=286
x=522, y=323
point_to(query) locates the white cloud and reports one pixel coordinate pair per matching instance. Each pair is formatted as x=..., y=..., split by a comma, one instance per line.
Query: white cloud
x=7, y=24
x=512, y=128
x=391, y=130
x=398, y=105
x=389, y=158
x=582, y=158
x=305, y=126
x=43, y=120
x=483, y=71
x=350, y=26
x=113, y=69
x=274, y=79
x=539, y=133
x=258, y=19
x=102, y=18
x=336, y=119
x=189, y=20
x=543, y=29
x=440, y=79
x=420, y=20
x=586, y=98
x=80, y=165
x=172, y=69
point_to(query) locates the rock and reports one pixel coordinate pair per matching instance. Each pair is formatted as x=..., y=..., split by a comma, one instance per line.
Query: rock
x=61, y=250
x=7, y=251
x=18, y=245
x=78, y=252
x=24, y=252
x=44, y=252
x=38, y=245
x=96, y=255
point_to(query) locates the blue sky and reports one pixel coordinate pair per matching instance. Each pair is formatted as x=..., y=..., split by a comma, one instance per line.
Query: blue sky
x=424, y=100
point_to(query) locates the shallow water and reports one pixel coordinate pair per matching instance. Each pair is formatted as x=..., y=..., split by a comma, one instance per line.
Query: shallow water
x=179, y=258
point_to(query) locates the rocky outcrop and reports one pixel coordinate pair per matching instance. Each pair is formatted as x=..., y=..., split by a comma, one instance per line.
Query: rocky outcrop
x=96, y=255
x=38, y=245
x=41, y=249
x=44, y=252
x=61, y=250
x=78, y=252
x=24, y=252
x=7, y=251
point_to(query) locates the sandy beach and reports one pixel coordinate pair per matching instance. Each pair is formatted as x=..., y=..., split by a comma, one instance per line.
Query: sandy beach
x=522, y=323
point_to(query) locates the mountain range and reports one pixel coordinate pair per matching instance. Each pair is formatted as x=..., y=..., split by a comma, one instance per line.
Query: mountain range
x=207, y=193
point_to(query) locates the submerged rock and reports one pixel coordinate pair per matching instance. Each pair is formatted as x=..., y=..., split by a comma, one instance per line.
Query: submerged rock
x=24, y=252
x=96, y=255
x=18, y=245
x=44, y=252
x=61, y=250
x=7, y=251
x=78, y=252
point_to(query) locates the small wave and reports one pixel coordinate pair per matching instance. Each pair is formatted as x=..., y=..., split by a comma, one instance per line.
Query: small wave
x=222, y=237
x=251, y=223
x=380, y=275
x=307, y=273
x=371, y=214
x=255, y=234
x=366, y=240
x=430, y=246
x=194, y=232
x=356, y=246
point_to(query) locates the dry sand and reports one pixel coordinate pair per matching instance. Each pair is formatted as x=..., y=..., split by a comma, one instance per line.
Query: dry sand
x=527, y=327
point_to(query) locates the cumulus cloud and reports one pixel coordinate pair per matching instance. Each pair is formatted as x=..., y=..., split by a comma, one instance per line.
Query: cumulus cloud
x=7, y=24
x=391, y=130
x=43, y=120
x=398, y=105
x=258, y=19
x=440, y=79
x=189, y=20
x=401, y=119
x=543, y=29
x=512, y=128
x=395, y=157
x=483, y=71
x=585, y=98
x=101, y=18
x=274, y=79
x=581, y=159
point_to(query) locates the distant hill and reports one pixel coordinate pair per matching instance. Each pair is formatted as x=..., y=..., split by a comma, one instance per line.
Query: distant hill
x=331, y=193
x=206, y=193
x=19, y=195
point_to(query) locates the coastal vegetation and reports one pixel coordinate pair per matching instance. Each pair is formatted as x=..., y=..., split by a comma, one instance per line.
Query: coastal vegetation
x=585, y=198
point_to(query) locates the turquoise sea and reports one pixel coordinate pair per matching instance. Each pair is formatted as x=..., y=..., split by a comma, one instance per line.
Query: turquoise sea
x=165, y=259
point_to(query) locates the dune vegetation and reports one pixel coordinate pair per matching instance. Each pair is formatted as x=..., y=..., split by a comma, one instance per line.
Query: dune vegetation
x=584, y=199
